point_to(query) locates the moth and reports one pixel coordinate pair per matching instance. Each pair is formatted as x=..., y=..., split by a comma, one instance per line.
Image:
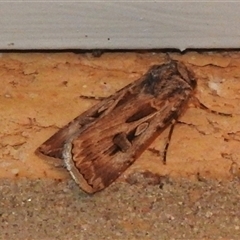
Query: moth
x=102, y=142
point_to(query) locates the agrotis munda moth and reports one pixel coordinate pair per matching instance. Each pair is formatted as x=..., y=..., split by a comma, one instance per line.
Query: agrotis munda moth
x=101, y=143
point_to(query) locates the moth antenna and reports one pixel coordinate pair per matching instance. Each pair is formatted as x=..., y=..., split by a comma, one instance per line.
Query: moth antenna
x=168, y=143
x=197, y=103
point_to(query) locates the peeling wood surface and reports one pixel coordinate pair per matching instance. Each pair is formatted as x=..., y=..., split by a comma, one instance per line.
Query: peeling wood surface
x=41, y=92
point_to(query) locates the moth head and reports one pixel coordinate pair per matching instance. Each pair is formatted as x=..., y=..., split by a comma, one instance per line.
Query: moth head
x=186, y=74
x=158, y=76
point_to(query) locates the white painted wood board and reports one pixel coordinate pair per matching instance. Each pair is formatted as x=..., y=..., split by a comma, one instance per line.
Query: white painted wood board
x=119, y=24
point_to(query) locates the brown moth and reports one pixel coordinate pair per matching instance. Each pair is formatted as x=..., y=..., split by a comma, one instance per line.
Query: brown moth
x=101, y=143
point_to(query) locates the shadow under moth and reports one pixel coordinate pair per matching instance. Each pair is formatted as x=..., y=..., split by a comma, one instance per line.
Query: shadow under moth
x=102, y=142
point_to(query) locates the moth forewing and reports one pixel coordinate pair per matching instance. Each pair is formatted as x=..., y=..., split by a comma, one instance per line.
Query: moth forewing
x=101, y=143
x=53, y=147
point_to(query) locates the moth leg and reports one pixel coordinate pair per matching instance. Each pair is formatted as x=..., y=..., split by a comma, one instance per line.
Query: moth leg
x=197, y=103
x=168, y=142
x=92, y=97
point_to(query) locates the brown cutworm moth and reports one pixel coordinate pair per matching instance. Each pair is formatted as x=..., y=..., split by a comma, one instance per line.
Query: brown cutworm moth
x=101, y=143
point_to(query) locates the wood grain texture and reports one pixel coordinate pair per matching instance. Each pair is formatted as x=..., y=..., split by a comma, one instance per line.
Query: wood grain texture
x=117, y=25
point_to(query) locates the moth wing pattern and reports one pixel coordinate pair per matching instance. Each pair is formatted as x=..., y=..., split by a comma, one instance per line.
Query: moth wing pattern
x=53, y=147
x=101, y=143
x=122, y=126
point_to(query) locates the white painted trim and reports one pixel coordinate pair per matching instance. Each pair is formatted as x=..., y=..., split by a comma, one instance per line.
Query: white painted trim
x=119, y=24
